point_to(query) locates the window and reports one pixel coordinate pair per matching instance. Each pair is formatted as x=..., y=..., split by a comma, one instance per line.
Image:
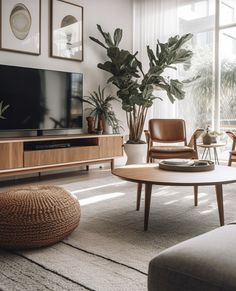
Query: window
x=197, y=108
x=211, y=98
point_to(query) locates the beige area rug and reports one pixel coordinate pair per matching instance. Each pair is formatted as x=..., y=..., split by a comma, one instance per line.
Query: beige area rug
x=109, y=250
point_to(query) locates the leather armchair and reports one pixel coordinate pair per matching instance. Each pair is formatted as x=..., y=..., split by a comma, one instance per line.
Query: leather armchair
x=163, y=131
x=169, y=131
x=232, y=153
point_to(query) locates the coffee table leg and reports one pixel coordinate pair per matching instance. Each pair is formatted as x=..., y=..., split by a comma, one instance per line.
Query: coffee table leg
x=220, y=203
x=195, y=195
x=139, y=191
x=148, y=193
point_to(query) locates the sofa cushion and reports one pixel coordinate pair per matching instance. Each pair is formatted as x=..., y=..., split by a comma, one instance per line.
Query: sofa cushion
x=206, y=262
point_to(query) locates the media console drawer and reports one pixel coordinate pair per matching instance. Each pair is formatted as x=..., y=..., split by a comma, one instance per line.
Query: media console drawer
x=11, y=155
x=58, y=156
x=111, y=146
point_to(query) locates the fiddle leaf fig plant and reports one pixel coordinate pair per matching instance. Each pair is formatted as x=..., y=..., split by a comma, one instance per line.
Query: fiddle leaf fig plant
x=3, y=108
x=136, y=87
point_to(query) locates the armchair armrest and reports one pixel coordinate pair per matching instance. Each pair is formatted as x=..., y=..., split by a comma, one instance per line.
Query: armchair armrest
x=232, y=135
x=147, y=136
x=193, y=141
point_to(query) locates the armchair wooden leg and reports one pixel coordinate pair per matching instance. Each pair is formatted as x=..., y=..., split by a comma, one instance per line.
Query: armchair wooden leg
x=230, y=161
x=148, y=159
x=195, y=195
x=139, y=192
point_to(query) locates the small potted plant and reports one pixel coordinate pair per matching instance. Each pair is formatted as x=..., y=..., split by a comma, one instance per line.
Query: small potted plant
x=105, y=120
x=206, y=138
x=214, y=134
x=210, y=136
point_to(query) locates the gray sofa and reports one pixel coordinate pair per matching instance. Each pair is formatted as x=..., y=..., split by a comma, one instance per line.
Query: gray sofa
x=204, y=263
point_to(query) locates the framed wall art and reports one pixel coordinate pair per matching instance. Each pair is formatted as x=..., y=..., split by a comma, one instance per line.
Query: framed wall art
x=21, y=26
x=66, y=30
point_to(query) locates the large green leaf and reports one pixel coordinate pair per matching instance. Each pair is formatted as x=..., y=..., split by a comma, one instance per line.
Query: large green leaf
x=173, y=40
x=182, y=40
x=118, y=36
x=107, y=36
x=151, y=56
x=98, y=41
x=176, y=88
x=181, y=56
x=109, y=67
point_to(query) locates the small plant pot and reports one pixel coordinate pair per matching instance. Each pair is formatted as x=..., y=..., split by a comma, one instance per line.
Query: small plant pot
x=99, y=132
x=108, y=128
x=136, y=153
x=206, y=139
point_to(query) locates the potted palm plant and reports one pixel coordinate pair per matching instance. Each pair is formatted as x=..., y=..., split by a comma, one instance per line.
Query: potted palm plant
x=136, y=87
x=101, y=110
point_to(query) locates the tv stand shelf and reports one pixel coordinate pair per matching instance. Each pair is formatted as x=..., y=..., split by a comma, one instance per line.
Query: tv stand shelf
x=38, y=154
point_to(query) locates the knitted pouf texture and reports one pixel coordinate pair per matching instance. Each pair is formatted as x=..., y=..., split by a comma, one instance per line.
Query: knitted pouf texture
x=36, y=216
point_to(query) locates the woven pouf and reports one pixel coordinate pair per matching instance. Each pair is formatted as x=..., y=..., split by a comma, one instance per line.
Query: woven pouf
x=36, y=216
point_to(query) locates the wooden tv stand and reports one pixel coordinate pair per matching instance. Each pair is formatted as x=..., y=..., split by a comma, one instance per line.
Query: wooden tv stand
x=38, y=154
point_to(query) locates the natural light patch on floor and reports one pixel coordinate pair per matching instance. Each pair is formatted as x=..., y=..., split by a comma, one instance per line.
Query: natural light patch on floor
x=100, y=198
x=200, y=195
x=171, y=193
x=207, y=211
x=212, y=206
x=203, y=201
x=98, y=187
x=164, y=188
x=166, y=192
x=171, y=202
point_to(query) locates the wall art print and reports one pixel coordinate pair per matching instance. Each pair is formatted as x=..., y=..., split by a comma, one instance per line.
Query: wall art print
x=66, y=30
x=21, y=26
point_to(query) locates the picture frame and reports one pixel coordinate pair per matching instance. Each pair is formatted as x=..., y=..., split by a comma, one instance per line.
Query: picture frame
x=66, y=31
x=20, y=26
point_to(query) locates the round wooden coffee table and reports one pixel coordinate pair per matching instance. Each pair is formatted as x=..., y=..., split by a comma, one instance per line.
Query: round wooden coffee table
x=150, y=174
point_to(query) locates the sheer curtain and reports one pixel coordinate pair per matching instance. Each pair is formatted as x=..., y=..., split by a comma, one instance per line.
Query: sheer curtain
x=155, y=19
x=160, y=19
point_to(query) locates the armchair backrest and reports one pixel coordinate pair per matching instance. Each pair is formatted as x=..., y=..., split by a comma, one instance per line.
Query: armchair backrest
x=167, y=130
x=233, y=137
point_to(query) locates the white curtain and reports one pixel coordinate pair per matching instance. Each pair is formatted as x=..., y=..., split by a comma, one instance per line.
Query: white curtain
x=160, y=19
x=155, y=19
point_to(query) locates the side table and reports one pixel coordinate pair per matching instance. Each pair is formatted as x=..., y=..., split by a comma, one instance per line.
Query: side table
x=207, y=151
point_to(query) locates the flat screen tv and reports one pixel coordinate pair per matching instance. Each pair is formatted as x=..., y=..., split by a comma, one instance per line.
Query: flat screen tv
x=40, y=101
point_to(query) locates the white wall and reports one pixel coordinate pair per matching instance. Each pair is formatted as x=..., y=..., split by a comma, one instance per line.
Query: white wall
x=110, y=14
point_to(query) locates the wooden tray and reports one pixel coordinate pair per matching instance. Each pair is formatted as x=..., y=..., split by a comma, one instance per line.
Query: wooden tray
x=196, y=167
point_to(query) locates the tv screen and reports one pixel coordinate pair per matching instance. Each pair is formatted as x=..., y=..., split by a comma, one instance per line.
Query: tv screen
x=40, y=99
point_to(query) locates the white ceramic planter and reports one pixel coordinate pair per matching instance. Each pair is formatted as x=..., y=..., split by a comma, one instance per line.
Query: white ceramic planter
x=108, y=128
x=136, y=153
